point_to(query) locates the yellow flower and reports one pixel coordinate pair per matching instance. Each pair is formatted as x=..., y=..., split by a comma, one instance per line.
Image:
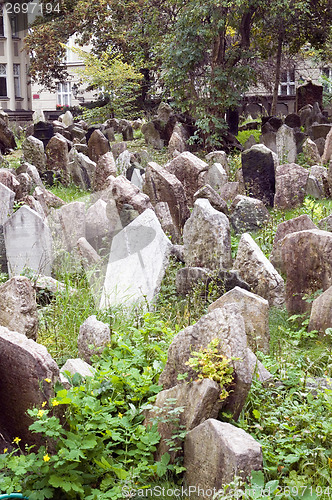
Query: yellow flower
x=48, y=380
x=55, y=402
x=16, y=440
x=330, y=463
x=46, y=458
x=120, y=415
x=44, y=404
x=40, y=413
x=5, y=450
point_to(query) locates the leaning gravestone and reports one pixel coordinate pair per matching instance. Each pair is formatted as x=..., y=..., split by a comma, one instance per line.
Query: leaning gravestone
x=308, y=94
x=28, y=243
x=258, y=166
x=137, y=262
x=7, y=197
x=33, y=152
x=27, y=374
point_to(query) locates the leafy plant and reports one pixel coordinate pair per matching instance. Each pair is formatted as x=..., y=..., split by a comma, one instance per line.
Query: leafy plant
x=208, y=362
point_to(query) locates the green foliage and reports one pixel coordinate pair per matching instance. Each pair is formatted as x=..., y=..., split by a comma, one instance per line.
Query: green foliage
x=117, y=80
x=244, y=135
x=104, y=445
x=208, y=362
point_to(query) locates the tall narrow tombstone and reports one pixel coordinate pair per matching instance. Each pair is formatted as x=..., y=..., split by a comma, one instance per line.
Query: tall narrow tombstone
x=137, y=262
x=286, y=145
x=28, y=243
x=7, y=197
x=258, y=173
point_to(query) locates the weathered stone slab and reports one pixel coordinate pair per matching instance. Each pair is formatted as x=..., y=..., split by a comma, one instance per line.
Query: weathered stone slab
x=93, y=337
x=248, y=214
x=187, y=168
x=258, y=272
x=321, y=312
x=326, y=223
x=138, y=259
x=160, y=185
x=7, y=197
x=27, y=377
x=72, y=223
x=227, y=325
x=98, y=145
x=286, y=145
x=28, y=243
x=74, y=366
x=57, y=157
x=123, y=191
x=255, y=312
x=306, y=259
x=258, y=167
x=215, y=452
x=206, y=238
x=311, y=153
x=104, y=168
x=33, y=152
x=289, y=226
x=214, y=198
x=18, y=308
x=291, y=181
x=327, y=154
x=216, y=176
x=200, y=401
x=218, y=157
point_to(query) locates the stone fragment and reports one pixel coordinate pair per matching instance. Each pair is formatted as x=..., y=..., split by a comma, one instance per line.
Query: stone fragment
x=98, y=225
x=165, y=218
x=33, y=173
x=214, y=198
x=227, y=325
x=28, y=243
x=230, y=191
x=28, y=374
x=33, y=152
x=93, y=337
x=289, y=226
x=258, y=272
x=286, y=145
x=321, y=312
x=206, y=237
x=137, y=178
x=123, y=191
x=75, y=366
x=218, y=157
x=269, y=139
x=118, y=148
x=161, y=186
x=7, y=197
x=67, y=118
x=215, y=452
x=216, y=176
x=138, y=259
x=25, y=187
x=293, y=120
x=321, y=175
x=327, y=154
x=152, y=135
x=187, y=167
x=82, y=170
x=8, y=179
x=18, y=308
x=310, y=152
x=200, y=400
x=98, y=145
x=291, y=181
x=104, y=168
x=258, y=167
x=306, y=259
x=123, y=163
x=248, y=214
x=187, y=278
x=326, y=223
x=313, y=188
x=72, y=223
x=86, y=253
x=255, y=312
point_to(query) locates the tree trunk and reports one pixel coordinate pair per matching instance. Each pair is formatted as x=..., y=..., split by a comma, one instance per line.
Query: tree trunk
x=277, y=75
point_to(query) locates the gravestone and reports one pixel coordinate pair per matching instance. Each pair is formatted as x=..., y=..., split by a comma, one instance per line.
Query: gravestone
x=33, y=152
x=308, y=94
x=286, y=145
x=7, y=197
x=258, y=167
x=137, y=262
x=57, y=157
x=43, y=131
x=98, y=145
x=28, y=243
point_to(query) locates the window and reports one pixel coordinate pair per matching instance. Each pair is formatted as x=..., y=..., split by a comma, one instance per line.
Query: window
x=2, y=30
x=287, y=82
x=17, y=80
x=64, y=94
x=3, y=80
x=13, y=24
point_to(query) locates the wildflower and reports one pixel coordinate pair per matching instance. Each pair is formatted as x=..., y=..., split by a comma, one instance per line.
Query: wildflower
x=46, y=457
x=16, y=440
x=44, y=403
x=120, y=415
x=55, y=402
x=40, y=413
x=5, y=450
x=48, y=380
